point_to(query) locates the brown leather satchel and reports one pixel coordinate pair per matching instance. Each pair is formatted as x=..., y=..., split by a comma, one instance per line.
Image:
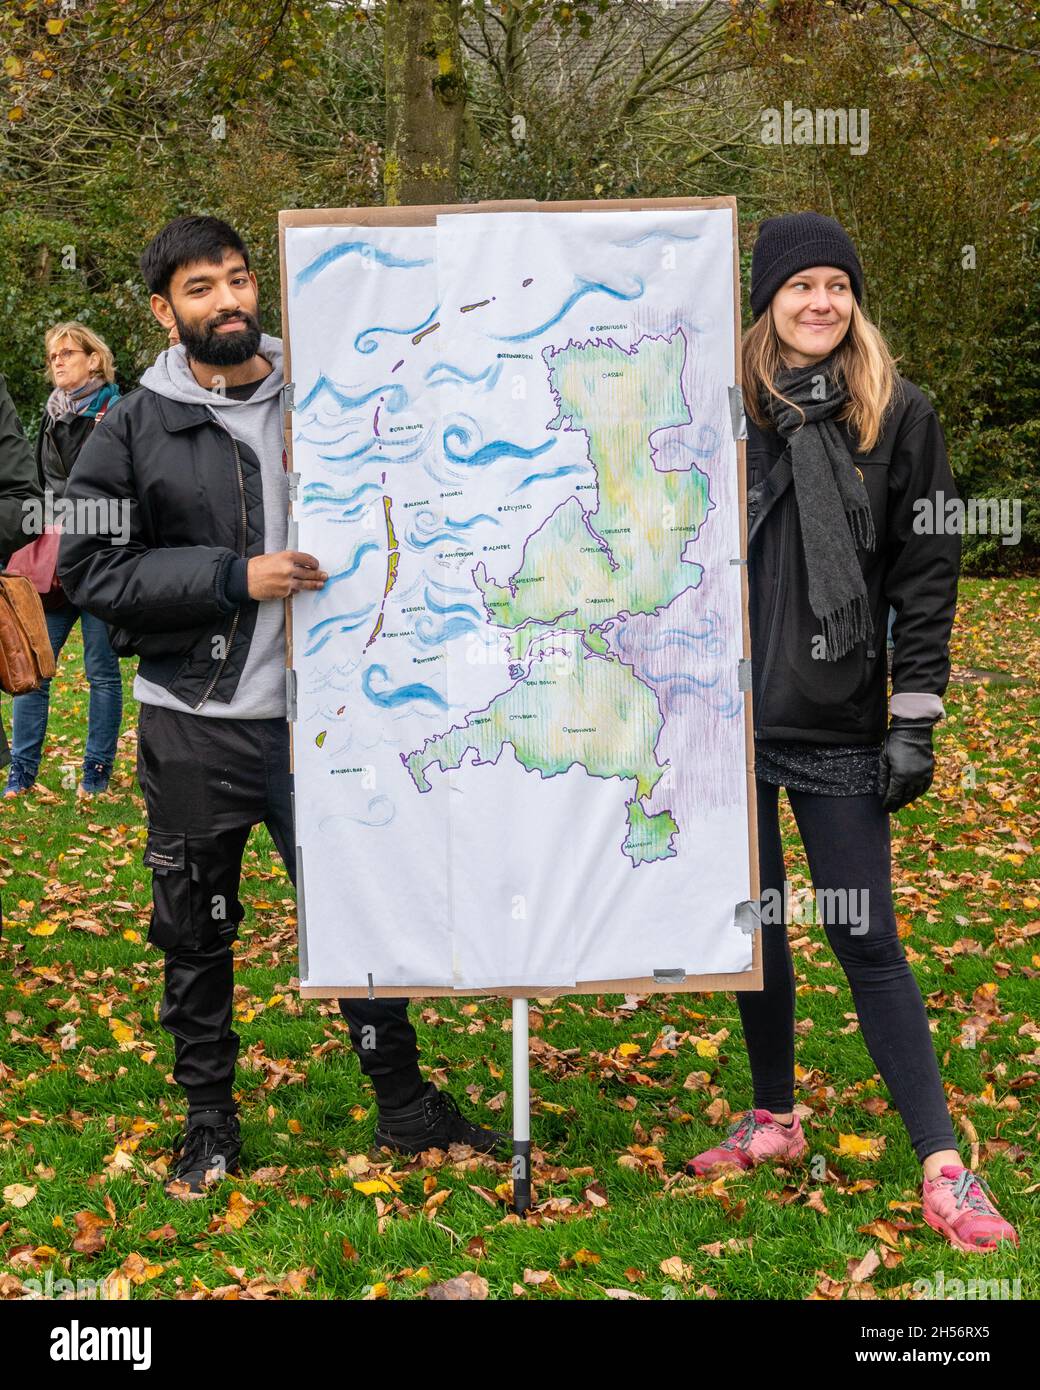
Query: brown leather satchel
x=26, y=655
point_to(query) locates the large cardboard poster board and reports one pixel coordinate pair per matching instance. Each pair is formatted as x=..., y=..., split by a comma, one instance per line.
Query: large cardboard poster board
x=521, y=728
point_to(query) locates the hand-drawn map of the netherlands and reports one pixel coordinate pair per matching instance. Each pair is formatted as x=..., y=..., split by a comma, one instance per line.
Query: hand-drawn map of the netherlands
x=519, y=744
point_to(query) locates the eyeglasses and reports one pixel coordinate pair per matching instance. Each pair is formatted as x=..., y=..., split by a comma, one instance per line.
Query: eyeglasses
x=64, y=355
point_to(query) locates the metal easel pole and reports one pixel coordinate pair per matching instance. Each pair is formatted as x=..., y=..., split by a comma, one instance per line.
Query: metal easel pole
x=521, y=1109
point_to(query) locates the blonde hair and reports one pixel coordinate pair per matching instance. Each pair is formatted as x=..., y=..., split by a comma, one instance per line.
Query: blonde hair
x=862, y=357
x=84, y=338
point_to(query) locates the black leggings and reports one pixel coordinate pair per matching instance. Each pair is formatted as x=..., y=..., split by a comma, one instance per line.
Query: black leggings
x=846, y=840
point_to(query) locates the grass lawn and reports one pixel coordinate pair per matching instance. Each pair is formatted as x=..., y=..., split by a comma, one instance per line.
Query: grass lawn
x=88, y=1110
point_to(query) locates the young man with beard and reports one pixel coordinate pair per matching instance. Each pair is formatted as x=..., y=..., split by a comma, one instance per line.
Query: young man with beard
x=197, y=594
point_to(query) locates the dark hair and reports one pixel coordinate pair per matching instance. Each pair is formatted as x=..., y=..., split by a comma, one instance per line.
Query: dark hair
x=184, y=241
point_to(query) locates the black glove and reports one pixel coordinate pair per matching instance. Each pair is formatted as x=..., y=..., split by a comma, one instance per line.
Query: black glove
x=907, y=763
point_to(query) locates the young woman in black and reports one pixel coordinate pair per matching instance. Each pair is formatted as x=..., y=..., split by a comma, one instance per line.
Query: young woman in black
x=846, y=462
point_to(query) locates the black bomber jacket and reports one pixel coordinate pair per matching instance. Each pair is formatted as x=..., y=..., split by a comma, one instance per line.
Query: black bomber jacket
x=175, y=594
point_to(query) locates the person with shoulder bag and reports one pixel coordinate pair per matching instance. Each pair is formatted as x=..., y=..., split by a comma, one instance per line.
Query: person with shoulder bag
x=842, y=453
x=82, y=369
x=19, y=491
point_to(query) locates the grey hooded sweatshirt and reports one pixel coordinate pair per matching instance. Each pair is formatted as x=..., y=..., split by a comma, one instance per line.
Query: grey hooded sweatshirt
x=256, y=422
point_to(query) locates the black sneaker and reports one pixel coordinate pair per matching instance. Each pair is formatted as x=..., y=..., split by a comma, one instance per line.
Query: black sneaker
x=206, y=1152
x=433, y=1122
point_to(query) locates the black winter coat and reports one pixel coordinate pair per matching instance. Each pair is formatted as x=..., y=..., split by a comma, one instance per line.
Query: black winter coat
x=806, y=699
x=58, y=444
x=18, y=480
x=175, y=594
x=18, y=484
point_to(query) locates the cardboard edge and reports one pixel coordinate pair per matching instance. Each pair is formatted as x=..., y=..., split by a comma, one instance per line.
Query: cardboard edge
x=287, y=442
x=749, y=721
x=644, y=985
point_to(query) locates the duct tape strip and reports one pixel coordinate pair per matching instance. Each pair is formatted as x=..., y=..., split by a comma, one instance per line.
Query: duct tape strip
x=747, y=916
x=744, y=673
x=292, y=534
x=670, y=977
x=288, y=394
x=736, y=413
x=290, y=695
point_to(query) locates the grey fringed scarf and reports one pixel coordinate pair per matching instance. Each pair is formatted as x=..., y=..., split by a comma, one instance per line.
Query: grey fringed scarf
x=832, y=501
x=61, y=402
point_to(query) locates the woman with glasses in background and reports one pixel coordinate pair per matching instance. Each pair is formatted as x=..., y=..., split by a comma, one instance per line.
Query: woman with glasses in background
x=82, y=370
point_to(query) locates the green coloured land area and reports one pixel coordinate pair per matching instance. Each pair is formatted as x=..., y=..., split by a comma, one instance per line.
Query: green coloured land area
x=570, y=708
x=623, y=551
x=649, y=837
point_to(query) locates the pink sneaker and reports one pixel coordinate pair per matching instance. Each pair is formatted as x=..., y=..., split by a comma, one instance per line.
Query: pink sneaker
x=755, y=1138
x=958, y=1205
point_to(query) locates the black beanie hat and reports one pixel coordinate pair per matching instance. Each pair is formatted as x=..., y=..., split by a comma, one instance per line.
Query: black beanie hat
x=794, y=242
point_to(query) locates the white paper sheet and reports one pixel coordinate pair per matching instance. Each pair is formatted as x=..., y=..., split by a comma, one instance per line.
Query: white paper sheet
x=519, y=749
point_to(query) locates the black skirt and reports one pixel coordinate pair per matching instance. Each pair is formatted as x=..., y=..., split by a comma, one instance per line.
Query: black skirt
x=822, y=769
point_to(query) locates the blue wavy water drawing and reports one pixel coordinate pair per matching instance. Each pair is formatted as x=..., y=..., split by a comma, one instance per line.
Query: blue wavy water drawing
x=365, y=427
x=379, y=812
x=366, y=341
x=395, y=396
x=339, y=678
x=346, y=248
x=658, y=234
x=709, y=639
x=421, y=537
x=716, y=690
x=427, y=582
x=359, y=554
x=430, y=635
x=487, y=453
x=582, y=288
x=672, y=453
x=445, y=608
x=340, y=622
x=361, y=452
x=403, y=694
x=471, y=521
x=455, y=376
x=552, y=473
x=682, y=683
x=413, y=542
x=321, y=497
x=707, y=445
x=387, y=451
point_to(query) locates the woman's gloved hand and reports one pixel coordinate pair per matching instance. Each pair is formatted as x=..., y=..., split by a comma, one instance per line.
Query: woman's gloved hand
x=907, y=762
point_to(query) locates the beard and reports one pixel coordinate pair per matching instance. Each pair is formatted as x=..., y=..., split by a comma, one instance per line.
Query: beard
x=204, y=344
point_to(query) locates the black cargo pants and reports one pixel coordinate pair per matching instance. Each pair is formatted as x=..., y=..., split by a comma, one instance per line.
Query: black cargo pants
x=206, y=783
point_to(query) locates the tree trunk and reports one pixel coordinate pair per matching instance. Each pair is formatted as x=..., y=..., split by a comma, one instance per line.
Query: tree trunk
x=425, y=101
